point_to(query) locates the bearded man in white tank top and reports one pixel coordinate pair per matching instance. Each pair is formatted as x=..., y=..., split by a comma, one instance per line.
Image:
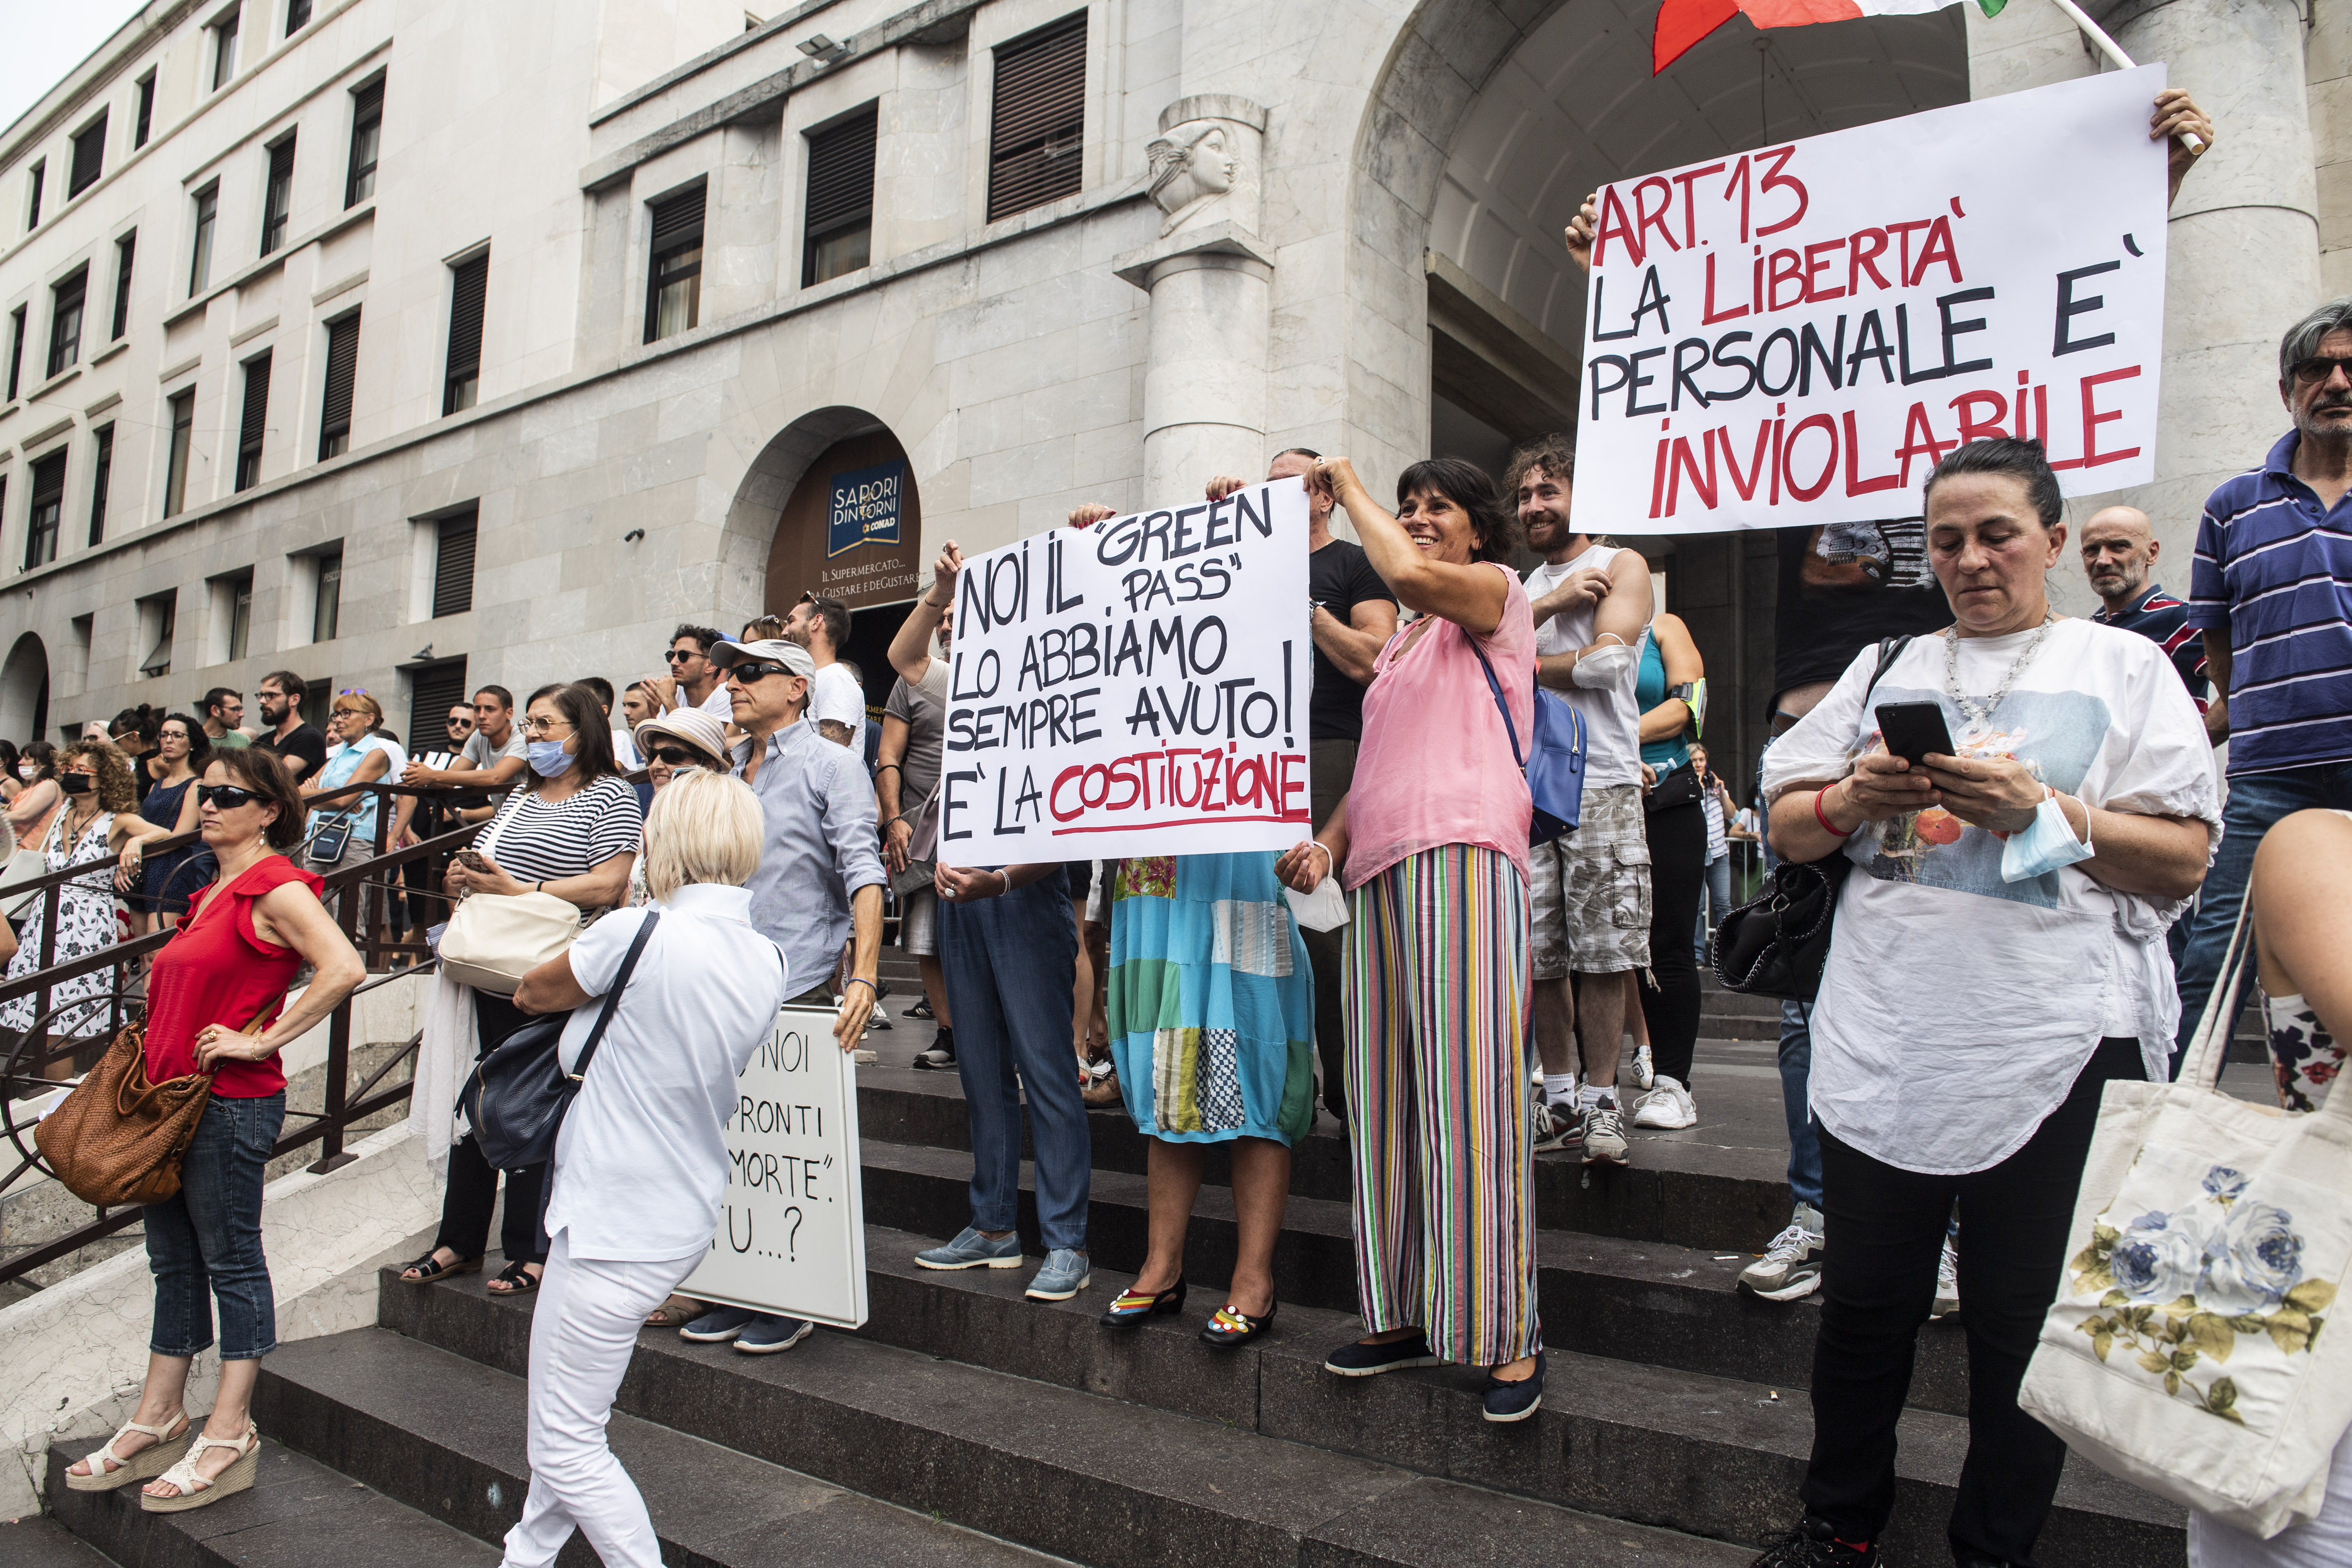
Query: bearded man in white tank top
x=1590, y=890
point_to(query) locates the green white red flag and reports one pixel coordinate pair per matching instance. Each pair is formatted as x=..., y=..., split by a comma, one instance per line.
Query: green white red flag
x=1683, y=22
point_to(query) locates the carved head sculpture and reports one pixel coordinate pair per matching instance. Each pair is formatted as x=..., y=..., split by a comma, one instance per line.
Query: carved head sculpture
x=1190, y=165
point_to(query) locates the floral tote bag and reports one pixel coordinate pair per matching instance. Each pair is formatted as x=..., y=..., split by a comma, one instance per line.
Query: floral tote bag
x=2189, y=1348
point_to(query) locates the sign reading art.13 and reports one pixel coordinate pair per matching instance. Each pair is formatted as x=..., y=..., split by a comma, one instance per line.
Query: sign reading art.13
x=864, y=507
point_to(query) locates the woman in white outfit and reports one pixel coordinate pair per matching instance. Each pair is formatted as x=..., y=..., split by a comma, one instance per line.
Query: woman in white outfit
x=641, y=1161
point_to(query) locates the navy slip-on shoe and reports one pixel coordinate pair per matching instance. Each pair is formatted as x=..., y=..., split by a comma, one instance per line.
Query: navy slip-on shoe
x=1359, y=1360
x=719, y=1325
x=765, y=1336
x=1515, y=1401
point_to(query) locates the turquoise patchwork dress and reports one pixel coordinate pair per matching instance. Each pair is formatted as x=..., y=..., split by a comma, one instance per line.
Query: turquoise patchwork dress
x=1211, y=1004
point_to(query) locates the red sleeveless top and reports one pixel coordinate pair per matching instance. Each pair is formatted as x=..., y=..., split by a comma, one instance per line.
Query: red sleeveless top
x=217, y=969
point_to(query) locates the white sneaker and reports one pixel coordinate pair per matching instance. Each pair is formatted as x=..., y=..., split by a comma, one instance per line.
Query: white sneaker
x=1558, y=1125
x=1791, y=1266
x=1643, y=1075
x=1604, y=1134
x=1668, y=1106
x=1948, y=1283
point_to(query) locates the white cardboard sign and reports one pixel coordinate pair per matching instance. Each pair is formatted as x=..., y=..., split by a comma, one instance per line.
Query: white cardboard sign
x=1796, y=335
x=1135, y=688
x=792, y=1225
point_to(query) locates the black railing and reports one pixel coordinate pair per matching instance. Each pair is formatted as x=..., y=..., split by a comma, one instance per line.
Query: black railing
x=40, y=1059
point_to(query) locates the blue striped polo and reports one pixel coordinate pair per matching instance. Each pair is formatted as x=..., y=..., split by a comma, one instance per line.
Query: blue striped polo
x=2274, y=567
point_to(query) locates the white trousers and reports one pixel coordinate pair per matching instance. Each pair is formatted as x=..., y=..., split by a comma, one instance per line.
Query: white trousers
x=2322, y=1542
x=583, y=1332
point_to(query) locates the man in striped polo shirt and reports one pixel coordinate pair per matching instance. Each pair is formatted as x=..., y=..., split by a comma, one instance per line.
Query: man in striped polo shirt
x=2272, y=591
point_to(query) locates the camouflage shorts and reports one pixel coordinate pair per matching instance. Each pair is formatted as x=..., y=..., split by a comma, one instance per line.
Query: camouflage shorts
x=1590, y=891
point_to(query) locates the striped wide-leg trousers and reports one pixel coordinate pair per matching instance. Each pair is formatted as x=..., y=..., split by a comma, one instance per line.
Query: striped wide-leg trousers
x=1433, y=993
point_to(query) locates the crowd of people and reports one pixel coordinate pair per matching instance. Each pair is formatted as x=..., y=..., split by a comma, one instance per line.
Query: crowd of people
x=2041, y=912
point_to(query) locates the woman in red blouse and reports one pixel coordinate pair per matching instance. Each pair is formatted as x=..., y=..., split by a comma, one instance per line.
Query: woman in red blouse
x=214, y=1003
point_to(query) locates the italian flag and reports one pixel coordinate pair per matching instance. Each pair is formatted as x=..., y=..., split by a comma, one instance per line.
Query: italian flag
x=1681, y=23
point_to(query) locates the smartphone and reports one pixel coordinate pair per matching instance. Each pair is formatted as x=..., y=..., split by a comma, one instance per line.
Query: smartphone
x=1912, y=729
x=471, y=859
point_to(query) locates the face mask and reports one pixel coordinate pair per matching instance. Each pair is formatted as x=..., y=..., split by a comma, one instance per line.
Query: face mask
x=75, y=784
x=1603, y=668
x=549, y=759
x=29, y=771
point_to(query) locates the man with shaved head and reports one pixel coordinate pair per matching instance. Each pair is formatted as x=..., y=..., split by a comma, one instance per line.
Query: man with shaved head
x=2118, y=553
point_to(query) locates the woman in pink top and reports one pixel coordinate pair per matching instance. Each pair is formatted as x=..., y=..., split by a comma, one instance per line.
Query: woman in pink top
x=1431, y=845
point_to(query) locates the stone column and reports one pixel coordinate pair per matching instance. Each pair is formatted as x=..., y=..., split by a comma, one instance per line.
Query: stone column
x=2243, y=249
x=1210, y=279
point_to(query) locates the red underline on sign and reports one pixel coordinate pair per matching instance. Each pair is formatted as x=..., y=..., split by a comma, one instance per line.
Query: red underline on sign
x=1186, y=822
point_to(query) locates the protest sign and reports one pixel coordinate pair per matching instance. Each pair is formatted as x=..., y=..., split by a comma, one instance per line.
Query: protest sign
x=791, y=1226
x=1796, y=335
x=1135, y=688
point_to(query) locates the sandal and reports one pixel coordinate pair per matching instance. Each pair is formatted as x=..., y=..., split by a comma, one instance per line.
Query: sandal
x=517, y=1279
x=149, y=1461
x=1131, y=1306
x=196, y=1490
x=426, y=1269
x=1102, y=1089
x=1227, y=1328
x=675, y=1313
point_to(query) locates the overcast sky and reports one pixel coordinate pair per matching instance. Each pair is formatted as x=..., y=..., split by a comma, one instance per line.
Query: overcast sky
x=46, y=40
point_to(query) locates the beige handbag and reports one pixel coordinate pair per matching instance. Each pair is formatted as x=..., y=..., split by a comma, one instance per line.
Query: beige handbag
x=493, y=940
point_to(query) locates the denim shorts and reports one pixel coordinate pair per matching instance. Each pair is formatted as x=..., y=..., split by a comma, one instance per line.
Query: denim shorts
x=204, y=1243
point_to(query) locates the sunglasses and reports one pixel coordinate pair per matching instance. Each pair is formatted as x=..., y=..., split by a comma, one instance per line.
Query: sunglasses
x=227, y=797
x=461, y=723
x=681, y=655
x=2312, y=371
x=676, y=756
x=747, y=673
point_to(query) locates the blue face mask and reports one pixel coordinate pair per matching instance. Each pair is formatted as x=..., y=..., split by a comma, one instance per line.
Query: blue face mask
x=549, y=759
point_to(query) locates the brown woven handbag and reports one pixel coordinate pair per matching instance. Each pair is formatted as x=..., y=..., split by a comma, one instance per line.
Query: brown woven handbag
x=118, y=1140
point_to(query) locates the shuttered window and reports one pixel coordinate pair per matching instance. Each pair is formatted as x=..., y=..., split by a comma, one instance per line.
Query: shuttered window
x=88, y=159
x=277, y=196
x=146, y=120
x=453, y=565
x=1039, y=121
x=41, y=178
x=65, y=319
x=367, y=133
x=49, y=505
x=432, y=690
x=175, y=465
x=327, y=605
x=468, y=283
x=16, y=350
x=342, y=368
x=674, y=279
x=839, y=226
x=101, y=475
x=123, y=251
x=254, y=424
x=200, y=255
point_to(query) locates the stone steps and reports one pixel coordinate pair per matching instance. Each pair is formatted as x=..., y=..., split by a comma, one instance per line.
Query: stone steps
x=40, y=1542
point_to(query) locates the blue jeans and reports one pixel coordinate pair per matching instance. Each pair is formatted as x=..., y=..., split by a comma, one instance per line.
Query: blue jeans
x=1010, y=964
x=204, y=1243
x=1716, y=904
x=2257, y=801
x=1796, y=1103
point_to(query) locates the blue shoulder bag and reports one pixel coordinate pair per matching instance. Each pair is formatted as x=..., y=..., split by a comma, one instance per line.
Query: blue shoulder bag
x=1554, y=764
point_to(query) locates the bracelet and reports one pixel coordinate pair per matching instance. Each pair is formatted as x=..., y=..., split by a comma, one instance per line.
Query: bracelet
x=1827, y=825
x=861, y=980
x=1006, y=878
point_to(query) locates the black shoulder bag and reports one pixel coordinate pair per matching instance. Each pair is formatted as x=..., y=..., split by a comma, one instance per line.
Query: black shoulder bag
x=516, y=1097
x=1777, y=943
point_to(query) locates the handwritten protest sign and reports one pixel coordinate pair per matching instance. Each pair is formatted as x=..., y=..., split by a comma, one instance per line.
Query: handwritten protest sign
x=1796, y=335
x=1135, y=688
x=792, y=1229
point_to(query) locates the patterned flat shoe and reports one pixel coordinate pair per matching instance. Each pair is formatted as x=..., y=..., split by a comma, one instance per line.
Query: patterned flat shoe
x=1131, y=1306
x=1226, y=1327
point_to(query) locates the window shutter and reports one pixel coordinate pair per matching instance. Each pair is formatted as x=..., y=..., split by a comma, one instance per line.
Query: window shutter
x=453, y=565
x=841, y=175
x=679, y=220
x=342, y=368
x=1039, y=118
x=257, y=403
x=48, y=480
x=466, y=302
x=88, y=159
x=432, y=690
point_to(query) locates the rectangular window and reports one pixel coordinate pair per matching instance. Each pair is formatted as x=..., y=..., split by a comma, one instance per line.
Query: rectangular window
x=40, y=177
x=123, y=249
x=298, y=16
x=15, y=348
x=233, y=603
x=175, y=468
x=255, y=423
x=432, y=690
x=277, y=198
x=88, y=159
x=49, y=505
x=838, y=228
x=65, y=320
x=102, y=475
x=674, y=284
x=468, y=283
x=342, y=368
x=157, y=618
x=1039, y=120
x=200, y=255
x=453, y=565
x=224, y=50
x=146, y=120
x=326, y=609
x=367, y=133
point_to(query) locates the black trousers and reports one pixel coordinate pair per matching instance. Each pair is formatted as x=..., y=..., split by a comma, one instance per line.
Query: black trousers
x=1886, y=1230
x=1677, y=878
x=473, y=1189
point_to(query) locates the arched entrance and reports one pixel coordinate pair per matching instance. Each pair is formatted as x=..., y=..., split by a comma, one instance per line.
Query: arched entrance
x=847, y=524
x=25, y=691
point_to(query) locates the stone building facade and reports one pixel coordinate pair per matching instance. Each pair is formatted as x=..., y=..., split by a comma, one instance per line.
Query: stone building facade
x=953, y=268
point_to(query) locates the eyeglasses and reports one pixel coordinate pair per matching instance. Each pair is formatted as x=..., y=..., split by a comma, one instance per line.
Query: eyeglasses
x=676, y=756
x=2312, y=371
x=227, y=797
x=744, y=674
x=681, y=655
x=545, y=726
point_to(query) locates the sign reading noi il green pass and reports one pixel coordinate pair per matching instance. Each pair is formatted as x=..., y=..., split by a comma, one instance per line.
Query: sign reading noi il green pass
x=864, y=507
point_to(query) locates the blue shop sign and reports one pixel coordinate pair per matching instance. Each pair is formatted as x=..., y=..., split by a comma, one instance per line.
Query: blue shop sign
x=864, y=507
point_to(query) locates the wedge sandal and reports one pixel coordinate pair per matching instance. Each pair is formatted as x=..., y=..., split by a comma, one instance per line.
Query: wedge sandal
x=152, y=1460
x=196, y=1490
